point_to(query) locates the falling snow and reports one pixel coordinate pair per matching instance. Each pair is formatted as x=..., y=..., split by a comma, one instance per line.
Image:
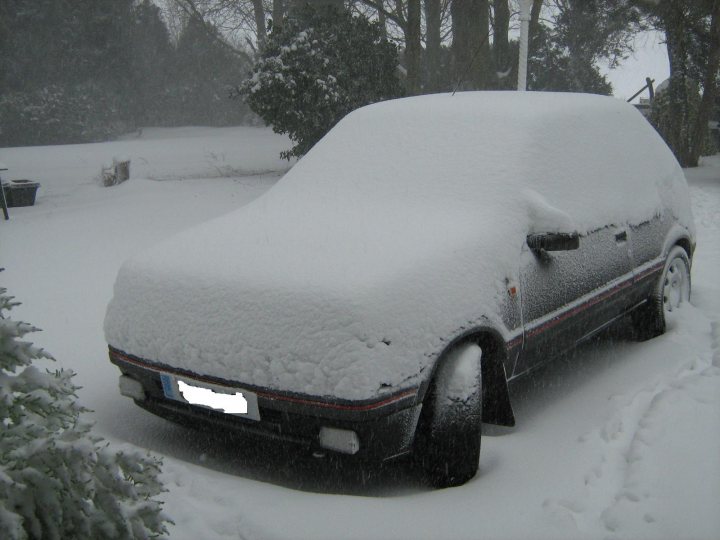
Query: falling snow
x=620, y=441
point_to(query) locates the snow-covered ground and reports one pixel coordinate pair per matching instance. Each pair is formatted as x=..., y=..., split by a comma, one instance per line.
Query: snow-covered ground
x=620, y=441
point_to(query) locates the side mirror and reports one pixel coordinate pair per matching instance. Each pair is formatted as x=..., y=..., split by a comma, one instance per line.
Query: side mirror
x=553, y=241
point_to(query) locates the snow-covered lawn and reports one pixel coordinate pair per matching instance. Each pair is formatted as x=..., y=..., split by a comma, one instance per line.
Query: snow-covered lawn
x=620, y=441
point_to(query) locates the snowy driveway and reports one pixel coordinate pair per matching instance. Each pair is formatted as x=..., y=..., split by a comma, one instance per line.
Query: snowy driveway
x=620, y=441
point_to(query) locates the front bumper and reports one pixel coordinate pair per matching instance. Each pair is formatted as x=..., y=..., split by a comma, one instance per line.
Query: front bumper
x=385, y=427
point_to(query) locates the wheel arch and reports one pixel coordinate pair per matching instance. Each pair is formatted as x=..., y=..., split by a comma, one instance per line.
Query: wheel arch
x=684, y=242
x=496, y=405
x=679, y=236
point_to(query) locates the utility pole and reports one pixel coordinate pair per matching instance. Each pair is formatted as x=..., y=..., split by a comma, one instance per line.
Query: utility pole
x=525, y=7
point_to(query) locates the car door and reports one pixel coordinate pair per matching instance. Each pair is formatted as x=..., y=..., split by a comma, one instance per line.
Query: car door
x=568, y=295
x=647, y=239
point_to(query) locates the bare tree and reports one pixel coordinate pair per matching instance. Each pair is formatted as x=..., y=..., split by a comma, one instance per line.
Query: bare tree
x=414, y=23
x=260, y=28
x=501, y=29
x=470, y=43
x=235, y=23
x=433, y=41
x=413, y=46
x=710, y=85
x=278, y=12
x=692, y=34
x=535, y=16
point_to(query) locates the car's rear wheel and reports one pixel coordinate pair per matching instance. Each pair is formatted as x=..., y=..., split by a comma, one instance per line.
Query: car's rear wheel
x=447, y=445
x=671, y=293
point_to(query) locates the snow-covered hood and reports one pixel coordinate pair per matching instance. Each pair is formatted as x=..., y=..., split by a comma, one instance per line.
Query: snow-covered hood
x=397, y=230
x=348, y=319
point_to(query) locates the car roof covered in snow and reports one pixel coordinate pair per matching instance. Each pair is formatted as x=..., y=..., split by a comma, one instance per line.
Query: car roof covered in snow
x=594, y=158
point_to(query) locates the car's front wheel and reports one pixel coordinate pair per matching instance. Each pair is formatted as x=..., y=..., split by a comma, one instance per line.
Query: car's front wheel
x=447, y=445
x=671, y=293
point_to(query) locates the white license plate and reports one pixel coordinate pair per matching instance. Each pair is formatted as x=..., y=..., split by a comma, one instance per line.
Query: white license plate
x=235, y=401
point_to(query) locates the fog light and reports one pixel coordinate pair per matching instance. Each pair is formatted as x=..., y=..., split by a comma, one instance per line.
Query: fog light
x=131, y=388
x=340, y=440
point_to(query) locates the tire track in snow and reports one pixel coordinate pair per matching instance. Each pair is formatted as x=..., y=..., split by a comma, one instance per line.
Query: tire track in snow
x=647, y=503
x=634, y=491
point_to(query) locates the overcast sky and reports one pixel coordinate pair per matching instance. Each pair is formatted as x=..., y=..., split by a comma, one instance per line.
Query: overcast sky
x=650, y=60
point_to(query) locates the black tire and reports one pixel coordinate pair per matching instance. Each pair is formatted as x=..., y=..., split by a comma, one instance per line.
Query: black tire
x=447, y=444
x=671, y=292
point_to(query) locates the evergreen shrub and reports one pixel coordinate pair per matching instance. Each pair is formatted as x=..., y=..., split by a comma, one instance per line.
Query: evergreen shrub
x=315, y=69
x=57, y=479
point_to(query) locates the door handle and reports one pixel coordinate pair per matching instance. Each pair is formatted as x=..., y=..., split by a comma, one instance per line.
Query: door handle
x=621, y=237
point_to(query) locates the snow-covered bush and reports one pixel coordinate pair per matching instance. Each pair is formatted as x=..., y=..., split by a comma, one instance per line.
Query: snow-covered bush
x=317, y=68
x=57, y=480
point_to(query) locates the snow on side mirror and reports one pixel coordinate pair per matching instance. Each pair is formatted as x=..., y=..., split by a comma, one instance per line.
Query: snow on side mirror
x=554, y=241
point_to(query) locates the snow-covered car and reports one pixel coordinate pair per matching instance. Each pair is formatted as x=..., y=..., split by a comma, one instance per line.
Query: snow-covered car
x=377, y=300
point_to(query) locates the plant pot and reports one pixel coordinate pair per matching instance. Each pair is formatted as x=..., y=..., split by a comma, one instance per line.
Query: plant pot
x=20, y=192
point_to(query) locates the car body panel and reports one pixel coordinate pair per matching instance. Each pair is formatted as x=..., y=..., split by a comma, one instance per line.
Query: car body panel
x=552, y=281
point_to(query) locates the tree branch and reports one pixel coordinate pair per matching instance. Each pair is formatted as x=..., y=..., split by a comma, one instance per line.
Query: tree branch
x=392, y=15
x=191, y=10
